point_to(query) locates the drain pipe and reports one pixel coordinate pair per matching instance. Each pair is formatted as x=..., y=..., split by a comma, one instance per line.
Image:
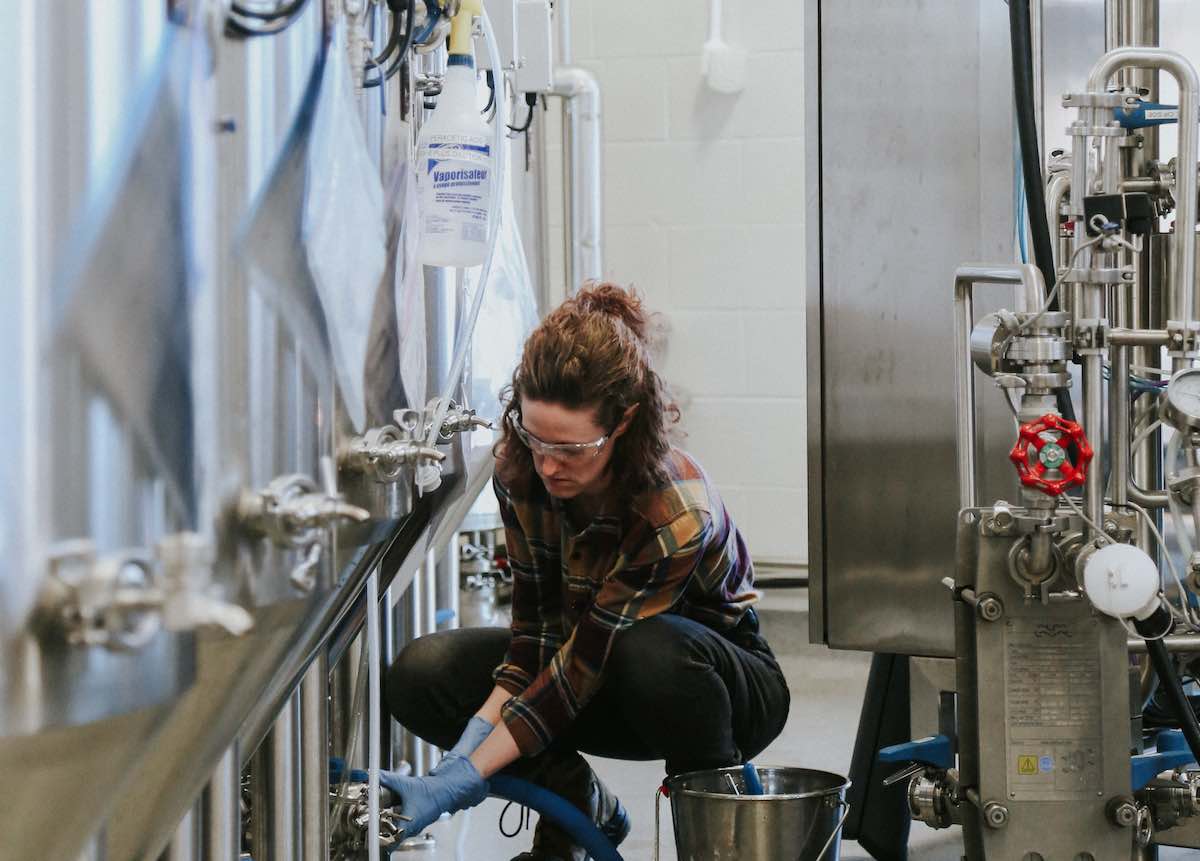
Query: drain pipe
x=582, y=172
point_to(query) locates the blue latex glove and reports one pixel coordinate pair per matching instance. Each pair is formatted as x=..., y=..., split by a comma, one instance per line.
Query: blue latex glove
x=477, y=730
x=456, y=786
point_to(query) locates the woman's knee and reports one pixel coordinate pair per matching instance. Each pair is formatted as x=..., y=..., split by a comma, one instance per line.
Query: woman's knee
x=433, y=675
x=656, y=651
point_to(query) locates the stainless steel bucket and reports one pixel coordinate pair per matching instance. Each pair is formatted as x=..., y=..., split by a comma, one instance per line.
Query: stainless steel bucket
x=798, y=817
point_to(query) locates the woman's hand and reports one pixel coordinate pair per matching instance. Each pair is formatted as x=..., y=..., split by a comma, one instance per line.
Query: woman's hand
x=474, y=735
x=457, y=786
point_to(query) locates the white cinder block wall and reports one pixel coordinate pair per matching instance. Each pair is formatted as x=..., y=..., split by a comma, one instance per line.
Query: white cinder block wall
x=703, y=210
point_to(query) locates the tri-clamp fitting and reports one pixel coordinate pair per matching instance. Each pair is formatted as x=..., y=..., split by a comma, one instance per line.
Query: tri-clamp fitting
x=292, y=512
x=121, y=600
x=110, y=600
x=383, y=453
x=461, y=421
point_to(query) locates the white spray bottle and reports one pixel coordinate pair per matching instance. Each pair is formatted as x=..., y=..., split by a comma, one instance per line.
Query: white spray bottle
x=455, y=160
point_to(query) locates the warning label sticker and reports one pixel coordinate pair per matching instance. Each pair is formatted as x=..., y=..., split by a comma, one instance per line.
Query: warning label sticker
x=1052, y=709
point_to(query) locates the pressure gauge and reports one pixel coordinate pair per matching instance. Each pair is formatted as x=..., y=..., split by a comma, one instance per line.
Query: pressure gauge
x=1182, y=408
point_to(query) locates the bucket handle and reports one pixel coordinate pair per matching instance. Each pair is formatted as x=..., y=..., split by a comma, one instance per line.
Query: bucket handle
x=845, y=805
x=658, y=797
x=662, y=790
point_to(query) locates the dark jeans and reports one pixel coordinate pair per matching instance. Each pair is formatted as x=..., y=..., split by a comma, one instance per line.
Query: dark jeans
x=673, y=689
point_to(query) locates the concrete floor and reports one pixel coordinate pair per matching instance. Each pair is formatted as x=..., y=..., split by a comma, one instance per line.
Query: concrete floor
x=827, y=690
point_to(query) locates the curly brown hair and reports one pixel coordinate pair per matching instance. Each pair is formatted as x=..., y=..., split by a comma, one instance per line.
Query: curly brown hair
x=593, y=351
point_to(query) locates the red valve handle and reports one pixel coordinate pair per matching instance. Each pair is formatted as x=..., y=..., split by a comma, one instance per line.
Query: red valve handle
x=1032, y=465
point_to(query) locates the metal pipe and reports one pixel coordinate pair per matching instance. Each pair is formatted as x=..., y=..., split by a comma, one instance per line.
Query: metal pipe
x=1174, y=643
x=562, y=15
x=388, y=652
x=1125, y=487
x=1059, y=188
x=1183, y=300
x=1093, y=423
x=965, y=278
x=1118, y=425
x=274, y=789
x=415, y=749
x=583, y=173
x=428, y=611
x=221, y=810
x=374, y=657
x=452, y=578
x=1139, y=337
x=314, y=760
x=185, y=844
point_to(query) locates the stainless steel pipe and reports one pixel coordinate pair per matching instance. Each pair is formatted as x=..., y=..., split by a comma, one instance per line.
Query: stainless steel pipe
x=1182, y=305
x=965, y=278
x=583, y=173
x=1124, y=487
x=1175, y=643
x=314, y=761
x=221, y=810
x=274, y=790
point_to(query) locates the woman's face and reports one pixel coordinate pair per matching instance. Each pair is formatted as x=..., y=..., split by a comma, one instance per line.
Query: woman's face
x=567, y=474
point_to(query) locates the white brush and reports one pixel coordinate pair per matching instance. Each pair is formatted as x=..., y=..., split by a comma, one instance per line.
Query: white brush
x=723, y=66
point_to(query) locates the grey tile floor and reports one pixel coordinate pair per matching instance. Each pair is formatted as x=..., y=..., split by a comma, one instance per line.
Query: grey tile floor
x=827, y=689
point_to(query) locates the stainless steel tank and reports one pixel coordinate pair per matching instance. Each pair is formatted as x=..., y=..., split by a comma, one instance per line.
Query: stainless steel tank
x=190, y=510
x=100, y=499
x=280, y=411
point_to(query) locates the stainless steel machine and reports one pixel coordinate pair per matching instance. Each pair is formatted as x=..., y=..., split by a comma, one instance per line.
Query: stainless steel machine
x=1027, y=423
x=216, y=526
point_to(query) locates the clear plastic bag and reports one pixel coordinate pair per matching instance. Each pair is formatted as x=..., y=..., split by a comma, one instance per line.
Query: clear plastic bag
x=508, y=315
x=410, y=295
x=343, y=225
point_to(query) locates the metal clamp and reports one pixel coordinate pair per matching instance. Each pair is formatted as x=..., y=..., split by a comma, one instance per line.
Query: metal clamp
x=1096, y=100
x=291, y=512
x=90, y=600
x=931, y=799
x=462, y=421
x=1183, y=339
x=1091, y=335
x=122, y=600
x=1120, y=275
x=383, y=453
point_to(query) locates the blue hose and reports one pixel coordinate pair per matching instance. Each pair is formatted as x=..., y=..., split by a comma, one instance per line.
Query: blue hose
x=566, y=815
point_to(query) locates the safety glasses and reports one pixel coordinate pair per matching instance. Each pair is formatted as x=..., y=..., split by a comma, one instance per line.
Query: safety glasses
x=571, y=452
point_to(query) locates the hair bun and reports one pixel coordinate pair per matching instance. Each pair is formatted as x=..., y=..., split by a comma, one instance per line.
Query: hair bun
x=602, y=297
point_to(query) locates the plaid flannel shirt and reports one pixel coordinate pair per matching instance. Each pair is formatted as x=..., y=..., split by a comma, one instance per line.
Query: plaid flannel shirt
x=674, y=551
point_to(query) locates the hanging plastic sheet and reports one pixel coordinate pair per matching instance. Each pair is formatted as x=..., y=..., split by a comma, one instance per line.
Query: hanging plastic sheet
x=344, y=226
x=271, y=240
x=123, y=299
x=508, y=315
x=395, y=369
x=410, y=299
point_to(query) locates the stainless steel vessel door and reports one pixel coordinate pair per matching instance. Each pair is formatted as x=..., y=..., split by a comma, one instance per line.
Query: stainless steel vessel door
x=909, y=174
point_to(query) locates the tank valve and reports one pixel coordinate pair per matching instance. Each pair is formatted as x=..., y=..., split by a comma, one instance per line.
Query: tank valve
x=291, y=512
x=92, y=600
x=383, y=453
x=1040, y=454
x=461, y=421
x=120, y=601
